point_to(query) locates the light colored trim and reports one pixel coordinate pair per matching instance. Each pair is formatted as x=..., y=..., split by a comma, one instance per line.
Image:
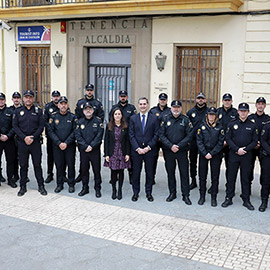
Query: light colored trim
x=113, y=8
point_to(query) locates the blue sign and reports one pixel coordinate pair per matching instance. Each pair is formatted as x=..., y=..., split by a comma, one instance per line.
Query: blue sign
x=34, y=34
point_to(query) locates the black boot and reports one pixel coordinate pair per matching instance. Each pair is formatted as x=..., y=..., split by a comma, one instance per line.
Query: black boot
x=22, y=191
x=248, y=205
x=202, y=199
x=84, y=191
x=114, y=191
x=42, y=190
x=12, y=183
x=120, y=185
x=214, y=200
x=263, y=206
x=193, y=183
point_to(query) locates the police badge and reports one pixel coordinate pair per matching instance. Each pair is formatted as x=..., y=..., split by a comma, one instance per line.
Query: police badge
x=56, y=121
x=168, y=123
x=193, y=115
x=50, y=110
x=235, y=126
x=203, y=127
x=21, y=113
x=82, y=126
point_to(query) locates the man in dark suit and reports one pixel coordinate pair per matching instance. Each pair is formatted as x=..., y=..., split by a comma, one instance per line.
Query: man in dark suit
x=143, y=134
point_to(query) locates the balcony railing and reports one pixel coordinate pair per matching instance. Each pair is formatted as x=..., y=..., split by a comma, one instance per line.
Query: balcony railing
x=31, y=3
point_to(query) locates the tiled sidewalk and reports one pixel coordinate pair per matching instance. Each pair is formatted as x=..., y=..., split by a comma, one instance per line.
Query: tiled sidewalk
x=198, y=241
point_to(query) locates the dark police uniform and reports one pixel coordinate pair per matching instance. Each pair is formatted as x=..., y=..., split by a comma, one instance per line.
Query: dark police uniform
x=176, y=131
x=61, y=129
x=8, y=146
x=196, y=115
x=260, y=121
x=90, y=132
x=159, y=114
x=97, y=105
x=224, y=118
x=265, y=166
x=210, y=139
x=50, y=108
x=240, y=134
x=29, y=123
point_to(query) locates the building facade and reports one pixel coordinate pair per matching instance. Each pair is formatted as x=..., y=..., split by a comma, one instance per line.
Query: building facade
x=214, y=48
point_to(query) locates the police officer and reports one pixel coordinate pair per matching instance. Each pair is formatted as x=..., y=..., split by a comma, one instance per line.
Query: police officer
x=265, y=166
x=28, y=124
x=7, y=143
x=89, y=133
x=96, y=104
x=226, y=114
x=17, y=102
x=210, y=139
x=50, y=108
x=160, y=111
x=128, y=110
x=260, y=119
x=196, y=115
x=89, y=97
x=61, y=130
x=242, y=137
x=175, y=134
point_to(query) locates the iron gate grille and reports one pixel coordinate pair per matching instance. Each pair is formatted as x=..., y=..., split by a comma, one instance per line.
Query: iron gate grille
x=109, y=80
x=198, y=71
x=36, y=73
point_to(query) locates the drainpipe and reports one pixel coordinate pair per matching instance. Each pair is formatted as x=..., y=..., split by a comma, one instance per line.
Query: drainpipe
x=2, y=61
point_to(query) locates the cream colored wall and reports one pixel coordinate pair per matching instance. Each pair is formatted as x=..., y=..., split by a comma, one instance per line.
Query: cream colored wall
x=227, y=31
x=10, y=73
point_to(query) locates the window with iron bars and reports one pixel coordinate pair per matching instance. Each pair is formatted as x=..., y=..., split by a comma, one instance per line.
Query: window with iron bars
x=198, y=70
x=35, y=66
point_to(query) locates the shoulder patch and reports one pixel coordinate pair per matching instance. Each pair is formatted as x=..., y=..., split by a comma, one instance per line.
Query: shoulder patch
x=190, y=124
x=198, y=131
x=263, y=131
x=222, y=132
x=50, y=120
x=101, y=125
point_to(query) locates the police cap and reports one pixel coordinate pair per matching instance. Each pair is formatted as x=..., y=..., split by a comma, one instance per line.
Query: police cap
x=89, y=86
x=227, y=96
x=176, y=103
x=243, y=106
x=123, y=93
x=63, y=99
x=16, y=95
x=28, y=93
x=201, y=95
x=163, y=96
x=261, y=99
x=212, y=110
x=56, y=93
x=87, y=105
x=2, y=96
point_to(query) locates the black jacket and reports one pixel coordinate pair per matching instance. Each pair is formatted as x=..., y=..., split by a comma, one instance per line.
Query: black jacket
x=6, y=115
x=177, y=131
x=242, y=134
x=265, y=139
x=260, y=121
x=210, y=139
x=89, y=132
x=225, y=117
x=28, y=122
x=61, y=128
x=109, y=142
x=159, y=113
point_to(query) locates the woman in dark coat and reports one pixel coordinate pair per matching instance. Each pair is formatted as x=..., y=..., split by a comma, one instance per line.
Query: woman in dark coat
x=117, y=150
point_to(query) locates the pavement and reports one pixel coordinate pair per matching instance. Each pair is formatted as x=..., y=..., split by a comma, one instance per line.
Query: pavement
x=64, y=231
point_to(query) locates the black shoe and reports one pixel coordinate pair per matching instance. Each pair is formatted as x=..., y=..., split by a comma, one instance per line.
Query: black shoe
x=58, y=189
x=171, y=197
x=227, y=202
x=2, y=179
x=42, y=191
x=193, y=183
x=213, y=202
x=12, y=184
x=22, y=191
x=84, y=191
x=113, y=193
x=263, y=206
x=71, y=189
x=49, y=178
x=248, y=205
x=201, y=201
x=119, y=195
x=78, y=179
x=150, y=198
x=210, y=190
x=98, y=193
x=187, y=200
x=135, y=197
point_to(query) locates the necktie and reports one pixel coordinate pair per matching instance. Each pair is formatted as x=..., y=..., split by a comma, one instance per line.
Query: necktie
x=143, y=122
